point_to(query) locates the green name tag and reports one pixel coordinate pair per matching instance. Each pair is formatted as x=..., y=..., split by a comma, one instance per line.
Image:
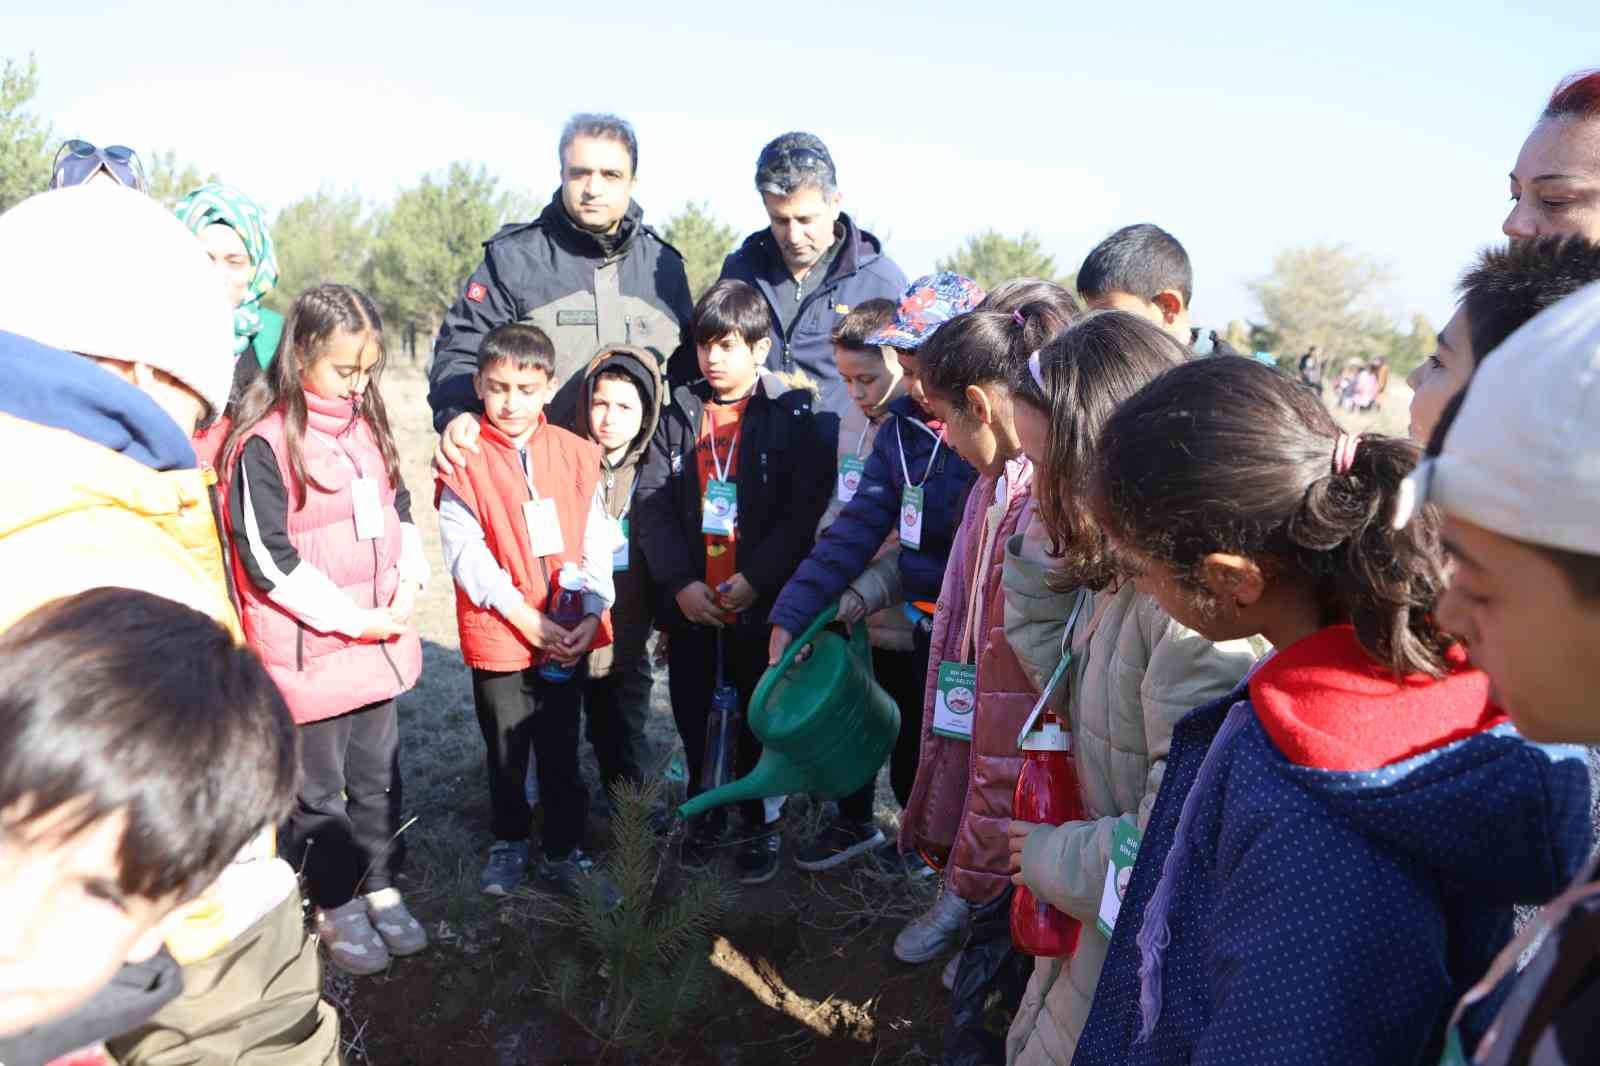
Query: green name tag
x=577, y=318
x=911, y=516
x=955, y=700
x=719, y=510
x=1453, y=1053
x=619, y=554
x=850, y=469
x=1124, y=852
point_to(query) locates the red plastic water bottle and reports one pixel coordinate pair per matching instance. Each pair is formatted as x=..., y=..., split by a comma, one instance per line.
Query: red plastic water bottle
x=1047, y=793
x=566, y=611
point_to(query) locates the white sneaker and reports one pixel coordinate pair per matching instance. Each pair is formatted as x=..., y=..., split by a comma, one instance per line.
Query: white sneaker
x=402, y=934
x=353, y=945
x=935, y=932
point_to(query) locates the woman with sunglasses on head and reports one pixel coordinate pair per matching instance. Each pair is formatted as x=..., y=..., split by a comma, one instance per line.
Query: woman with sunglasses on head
x=78, y=162
x=233, y=229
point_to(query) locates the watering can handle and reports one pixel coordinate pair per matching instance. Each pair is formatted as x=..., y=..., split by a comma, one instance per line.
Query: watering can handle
x=858, y=642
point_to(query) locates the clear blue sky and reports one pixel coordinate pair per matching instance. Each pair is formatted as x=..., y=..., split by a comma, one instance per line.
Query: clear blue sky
x=1241, y=127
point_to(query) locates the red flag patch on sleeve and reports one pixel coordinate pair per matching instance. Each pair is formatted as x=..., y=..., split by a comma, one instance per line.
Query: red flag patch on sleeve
x=476, y=292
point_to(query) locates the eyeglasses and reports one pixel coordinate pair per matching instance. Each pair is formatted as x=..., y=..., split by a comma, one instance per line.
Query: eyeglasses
x=78, y=161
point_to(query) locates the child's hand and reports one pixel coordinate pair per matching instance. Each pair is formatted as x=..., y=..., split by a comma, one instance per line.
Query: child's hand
x=698, y=604
x=1017, y=838
x=460, y=436
x=852, y=608
x=736, y=594
x=405, y=601
x=381, y=626
x=577, y=642
x=777, y=644
x=536, y=629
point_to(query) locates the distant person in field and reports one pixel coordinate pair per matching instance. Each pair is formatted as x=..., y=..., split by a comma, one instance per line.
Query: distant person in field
x=812, y=264
x=1144, y=270
x=587, y=271
x=1555, y=183
x=1311, y=369
x=1506, y=287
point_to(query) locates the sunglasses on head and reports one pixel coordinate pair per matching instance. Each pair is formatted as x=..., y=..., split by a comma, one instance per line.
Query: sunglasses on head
x=78, y=161
x=804, y=159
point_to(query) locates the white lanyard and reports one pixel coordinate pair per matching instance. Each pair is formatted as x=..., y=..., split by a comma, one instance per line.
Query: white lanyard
x=711, y=443
x=861, y=442
x=937, y=441
x=525, y=461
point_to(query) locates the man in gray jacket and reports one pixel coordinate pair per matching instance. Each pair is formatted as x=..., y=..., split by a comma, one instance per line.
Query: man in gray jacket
x=587, y=271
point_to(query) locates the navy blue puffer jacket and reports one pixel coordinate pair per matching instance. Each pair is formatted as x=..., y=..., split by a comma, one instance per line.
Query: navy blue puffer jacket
x=846, y=547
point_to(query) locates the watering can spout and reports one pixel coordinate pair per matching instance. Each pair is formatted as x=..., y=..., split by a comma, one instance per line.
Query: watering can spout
x=824, y=724
x=774, y=775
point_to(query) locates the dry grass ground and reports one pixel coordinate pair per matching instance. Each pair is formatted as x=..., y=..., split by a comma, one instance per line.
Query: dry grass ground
x=805, y=970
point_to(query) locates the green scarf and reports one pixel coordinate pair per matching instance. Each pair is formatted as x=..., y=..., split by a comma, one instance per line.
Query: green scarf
x=211, y=204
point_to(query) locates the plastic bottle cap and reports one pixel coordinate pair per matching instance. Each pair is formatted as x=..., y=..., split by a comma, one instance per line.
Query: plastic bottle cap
x=1048, y=737
x=572, y=577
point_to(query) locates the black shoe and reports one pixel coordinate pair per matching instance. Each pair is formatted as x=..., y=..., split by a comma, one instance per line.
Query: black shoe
x=840, y=841
x=909, y=865
x=758, y=856
x=575, y=876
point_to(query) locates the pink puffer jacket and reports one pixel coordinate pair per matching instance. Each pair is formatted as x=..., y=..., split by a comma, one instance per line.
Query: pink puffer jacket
x=326, y=674
x=961, y=800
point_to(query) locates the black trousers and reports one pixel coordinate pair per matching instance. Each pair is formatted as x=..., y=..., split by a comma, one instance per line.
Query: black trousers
x=617, y=707
x=903, y=675
x=519, y=711
x=692, y=674
x=343, y=833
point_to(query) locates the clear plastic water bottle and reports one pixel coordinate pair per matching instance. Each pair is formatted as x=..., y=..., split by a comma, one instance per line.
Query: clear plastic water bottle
x=566, y=612
x=723, y=726
x=1047, y=793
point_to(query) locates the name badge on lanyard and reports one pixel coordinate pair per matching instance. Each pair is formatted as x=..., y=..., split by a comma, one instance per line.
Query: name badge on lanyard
x=544, y=526
x=719, y=508
x=955, y=700
x=1119, y=871
x=911, y=516
x=911, y=506
x=619, y=554
x=369, y=511
x=850, y=470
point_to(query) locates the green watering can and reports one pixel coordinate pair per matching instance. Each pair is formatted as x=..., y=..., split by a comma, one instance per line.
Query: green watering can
x=825, y=725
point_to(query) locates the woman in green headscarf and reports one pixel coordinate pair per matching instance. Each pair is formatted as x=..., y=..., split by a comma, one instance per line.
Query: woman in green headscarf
x=235, y=235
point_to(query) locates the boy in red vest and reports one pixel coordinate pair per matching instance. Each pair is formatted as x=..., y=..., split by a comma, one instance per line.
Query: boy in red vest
x=528, y=502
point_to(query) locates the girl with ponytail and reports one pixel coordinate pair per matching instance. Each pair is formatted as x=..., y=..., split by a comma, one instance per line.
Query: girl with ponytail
x=1337, y=845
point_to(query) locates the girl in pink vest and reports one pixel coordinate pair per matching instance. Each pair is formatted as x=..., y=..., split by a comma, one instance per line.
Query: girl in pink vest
x=328, y=565
x=960, y=803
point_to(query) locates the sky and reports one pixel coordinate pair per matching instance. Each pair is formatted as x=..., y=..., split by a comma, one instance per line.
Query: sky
x=1241, y=127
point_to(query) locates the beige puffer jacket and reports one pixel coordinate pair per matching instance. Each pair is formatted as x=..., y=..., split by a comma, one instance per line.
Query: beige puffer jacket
x=1135, y=673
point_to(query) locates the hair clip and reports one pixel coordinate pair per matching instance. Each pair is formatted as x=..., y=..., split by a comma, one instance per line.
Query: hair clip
x=1344, y=453
x=1017, y=317
x=1037, y=371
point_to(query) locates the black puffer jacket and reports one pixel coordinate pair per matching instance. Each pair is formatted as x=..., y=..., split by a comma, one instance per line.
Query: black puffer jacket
x=784, y=474
x=553, y=274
